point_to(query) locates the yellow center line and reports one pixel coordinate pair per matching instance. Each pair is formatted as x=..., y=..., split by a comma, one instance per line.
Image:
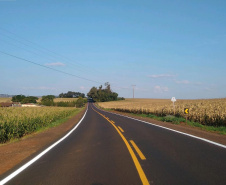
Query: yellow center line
x=135, y=160
x=120, y=129
x=138, y=150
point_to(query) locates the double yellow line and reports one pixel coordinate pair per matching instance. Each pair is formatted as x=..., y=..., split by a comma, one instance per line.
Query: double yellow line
x=135, y=160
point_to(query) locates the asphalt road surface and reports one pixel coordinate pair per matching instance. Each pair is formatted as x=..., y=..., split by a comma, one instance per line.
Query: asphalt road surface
x=107, y=149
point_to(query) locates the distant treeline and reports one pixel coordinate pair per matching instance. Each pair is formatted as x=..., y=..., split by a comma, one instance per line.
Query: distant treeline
x=103, y=94
x=24, y=99
x=71, y=94
x=49, y=101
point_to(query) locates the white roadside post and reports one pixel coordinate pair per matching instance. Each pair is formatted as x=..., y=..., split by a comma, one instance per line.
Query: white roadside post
x=173, y=99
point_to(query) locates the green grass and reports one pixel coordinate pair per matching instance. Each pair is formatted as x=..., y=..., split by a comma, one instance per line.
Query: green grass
x=172, y=119
x=178, y=120
x=220, y=130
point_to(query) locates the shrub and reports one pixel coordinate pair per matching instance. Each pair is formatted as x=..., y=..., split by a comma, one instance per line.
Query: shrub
x=80, y=102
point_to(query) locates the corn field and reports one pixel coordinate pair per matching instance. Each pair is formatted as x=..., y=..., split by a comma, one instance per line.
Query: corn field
x=61, y=100
x=211, y=112
x=39, y=100
x=16, y=122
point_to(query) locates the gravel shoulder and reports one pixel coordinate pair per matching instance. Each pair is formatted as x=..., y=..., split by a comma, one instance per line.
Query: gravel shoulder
x=14, y=153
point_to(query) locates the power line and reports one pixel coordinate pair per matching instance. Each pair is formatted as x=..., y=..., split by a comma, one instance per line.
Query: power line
x=42, y=51
x=30, y=51
x=50, y=54
x=37, y=47
x=47, y=67
x=29, y=61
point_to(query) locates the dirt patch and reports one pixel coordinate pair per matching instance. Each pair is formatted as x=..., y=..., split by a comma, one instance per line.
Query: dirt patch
x=183, y=127
x=14, y=153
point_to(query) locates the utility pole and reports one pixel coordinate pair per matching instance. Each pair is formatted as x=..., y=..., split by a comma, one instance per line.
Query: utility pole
x=133, y=90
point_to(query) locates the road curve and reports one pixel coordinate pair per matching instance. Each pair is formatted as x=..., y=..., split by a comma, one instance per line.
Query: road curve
x=110, y=149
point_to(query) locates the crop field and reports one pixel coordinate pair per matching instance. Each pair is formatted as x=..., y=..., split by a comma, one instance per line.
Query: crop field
x=61, y=100
x=211, y=112
x=65, y=99
x=39, y=100
x=16, y=122
x=5, y=99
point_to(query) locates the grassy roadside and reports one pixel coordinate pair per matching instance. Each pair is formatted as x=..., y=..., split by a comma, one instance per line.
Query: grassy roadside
x=178, y=121
x=60, y=121
x=51, y=125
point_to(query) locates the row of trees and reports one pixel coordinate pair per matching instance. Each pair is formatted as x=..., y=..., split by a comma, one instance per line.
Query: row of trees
x=49, y=101
x=102, y=94
x=24, y=99
x=97, y=94
x=71, y=94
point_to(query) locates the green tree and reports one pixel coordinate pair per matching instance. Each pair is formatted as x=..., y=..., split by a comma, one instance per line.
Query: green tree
x=48, y=100
x=71, y=94
x=61, y=95
x=102, y=94
x=107, y=87
x=78, y=94
x=30, y=99
x=18, y=98
x=93, y=94
x=80, y=102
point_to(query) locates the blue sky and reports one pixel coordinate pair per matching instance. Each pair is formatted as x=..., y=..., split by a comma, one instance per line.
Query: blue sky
x=165, y=48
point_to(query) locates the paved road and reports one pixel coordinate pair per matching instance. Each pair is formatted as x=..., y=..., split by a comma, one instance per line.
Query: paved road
x=107, y=149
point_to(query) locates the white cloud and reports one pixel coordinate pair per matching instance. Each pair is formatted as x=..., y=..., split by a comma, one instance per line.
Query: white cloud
x=55, y=64
x=159, y=89
x=161, y=76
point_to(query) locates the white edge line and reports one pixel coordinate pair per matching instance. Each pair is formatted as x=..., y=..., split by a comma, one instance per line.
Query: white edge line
x=196, y=137
x=12, y=175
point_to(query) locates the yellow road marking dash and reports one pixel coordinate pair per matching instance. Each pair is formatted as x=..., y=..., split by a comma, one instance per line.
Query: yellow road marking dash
x=138, y=150
x=135, y=160
x=120, y=129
